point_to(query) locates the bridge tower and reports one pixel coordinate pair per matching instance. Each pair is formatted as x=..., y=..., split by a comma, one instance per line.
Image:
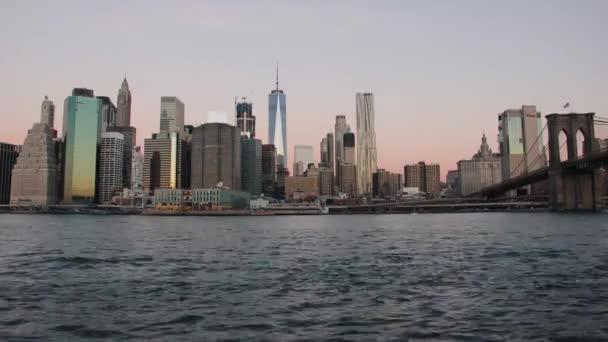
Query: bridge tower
x=572, y=188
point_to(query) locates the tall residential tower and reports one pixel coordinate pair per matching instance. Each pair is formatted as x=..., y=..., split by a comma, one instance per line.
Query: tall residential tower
x=366, y=143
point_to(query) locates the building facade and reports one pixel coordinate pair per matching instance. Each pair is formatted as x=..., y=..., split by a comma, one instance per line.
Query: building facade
x=171, y=115
x=216, y=156
x=381, y=183
x=300, y=187
x=518, y=130
x=129, y=134
x=245, y=120
x=47, y=112
x=251, y=165
x=348, y=179
x=327, y=151
x=348, y=142
x=8, y=158
x=277, y=122
x=425, y=177
x=396, y=184
x=110, y=165
x=340, y=128
x=302, y=154
x=81, y=136
x=137, y=171
x=108, y=113
x=326, y=181
x=35, y=175
x=483, y=169
x=269, y=169
x=162, y=162
x=366, y=143
x=123, y=104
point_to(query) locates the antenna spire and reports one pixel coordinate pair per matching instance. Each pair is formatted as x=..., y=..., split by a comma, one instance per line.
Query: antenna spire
x=277, y=76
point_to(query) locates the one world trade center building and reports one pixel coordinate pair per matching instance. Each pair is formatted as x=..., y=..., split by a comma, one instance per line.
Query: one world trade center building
x=277, y=123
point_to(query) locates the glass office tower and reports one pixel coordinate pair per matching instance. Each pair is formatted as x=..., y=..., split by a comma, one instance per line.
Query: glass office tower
x=81, y=127
x=277, y=122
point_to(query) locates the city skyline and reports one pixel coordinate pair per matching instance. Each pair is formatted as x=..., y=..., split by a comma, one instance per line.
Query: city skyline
x=406, y=99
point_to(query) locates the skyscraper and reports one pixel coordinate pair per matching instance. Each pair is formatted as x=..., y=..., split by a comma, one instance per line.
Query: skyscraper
x=110, y=165
x=303, y=154
x=330, y=151
x=339, y=129
x=35, y=175
x=324, y=152
x=245, y=120
x=381, y=180
x=81, y=128
x=47, y=112
x=348, y=169
x=108, y=113
x=8, y=158
x=251, y=165
x=518, y=130
x=269, y=169
x=348, y=142
x=216, y=156
x=171, y=115
x=123, y=102
x=129, y=135
x=162, y=162
x=137, y=170
x=277, y=122
x=366, y=143
x=326, y=181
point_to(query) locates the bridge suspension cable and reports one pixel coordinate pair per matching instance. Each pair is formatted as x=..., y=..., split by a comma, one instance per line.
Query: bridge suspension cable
x=538, y=138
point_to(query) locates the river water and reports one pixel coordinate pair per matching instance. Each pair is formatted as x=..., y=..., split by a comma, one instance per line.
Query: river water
x=460, y=277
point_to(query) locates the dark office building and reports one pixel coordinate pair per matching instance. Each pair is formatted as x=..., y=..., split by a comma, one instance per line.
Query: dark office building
x=269, y=169
x=245, y=120
x=129, y=134
x=251, y=165
x=8, y=158
x=216, y=156
x=381, y=183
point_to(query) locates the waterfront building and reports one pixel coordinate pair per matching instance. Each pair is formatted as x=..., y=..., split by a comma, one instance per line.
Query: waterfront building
x=200, y=199
x=245, y=120
x=216, y=156
x=47, y=112
x=340, y=128
x=108, y=113
x=302, y=154
x=452, y=180
x=396, y=184
x=8, y=158
x=425, y=177
x=381, y=183
x=123, y=103
x=269, y=169
x=110, y=165
x=137, y=171
x=35, y=174
x=348, y=179
x=163, y=156
x=301, y=187
x=277, y=122
x=251, y=165
x=282, y=174
x=518, y=130
x=171, y=115
x=81, y=137
x=129, y=135
x=483, y=169
x=326, y=181
x=366, y=143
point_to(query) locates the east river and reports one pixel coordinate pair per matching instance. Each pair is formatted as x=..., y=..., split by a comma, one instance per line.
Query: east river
x=435, y=277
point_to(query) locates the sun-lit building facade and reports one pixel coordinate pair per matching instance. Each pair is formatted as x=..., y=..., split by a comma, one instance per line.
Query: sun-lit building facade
x=81, y=129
